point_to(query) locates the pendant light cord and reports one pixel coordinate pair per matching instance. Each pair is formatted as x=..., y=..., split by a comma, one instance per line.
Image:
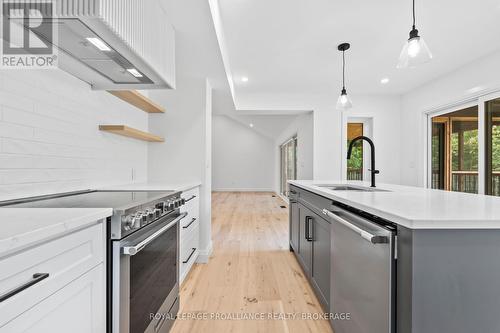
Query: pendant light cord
x=343, y=69
x=413, y=14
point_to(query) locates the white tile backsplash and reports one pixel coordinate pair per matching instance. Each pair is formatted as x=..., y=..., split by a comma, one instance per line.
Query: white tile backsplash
x=49, y=137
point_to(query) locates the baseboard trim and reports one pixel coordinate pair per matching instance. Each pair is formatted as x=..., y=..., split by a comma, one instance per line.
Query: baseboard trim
x=242, y=190
x=285, y=199
x=204, y=255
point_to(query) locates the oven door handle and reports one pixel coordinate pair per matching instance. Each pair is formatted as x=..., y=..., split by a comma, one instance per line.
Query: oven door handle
x=134, y=249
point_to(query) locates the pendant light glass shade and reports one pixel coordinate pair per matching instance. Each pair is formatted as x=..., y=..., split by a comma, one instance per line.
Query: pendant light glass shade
x=344, y=102
x=415, y=52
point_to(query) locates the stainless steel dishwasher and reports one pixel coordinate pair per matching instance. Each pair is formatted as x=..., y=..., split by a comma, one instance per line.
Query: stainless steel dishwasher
x=362, y=290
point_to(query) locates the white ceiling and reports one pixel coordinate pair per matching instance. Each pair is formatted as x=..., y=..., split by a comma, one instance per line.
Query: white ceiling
x=290, y=46
x=270, y=126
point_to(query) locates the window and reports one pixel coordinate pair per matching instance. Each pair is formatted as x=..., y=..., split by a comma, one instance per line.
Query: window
x=355, y=163
x=288, y=151
x=454, y=151
x=492, y=146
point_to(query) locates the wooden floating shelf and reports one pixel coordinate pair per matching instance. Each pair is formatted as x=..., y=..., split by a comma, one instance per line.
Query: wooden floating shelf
x=131, y=133
x=138, y=100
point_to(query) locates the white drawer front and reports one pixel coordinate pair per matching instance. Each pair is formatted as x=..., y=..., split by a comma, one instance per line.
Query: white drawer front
x=192, y=192
x=192, y=205
x=64, y=259
x=78, y=307
x=189, y=251
x=188, y=225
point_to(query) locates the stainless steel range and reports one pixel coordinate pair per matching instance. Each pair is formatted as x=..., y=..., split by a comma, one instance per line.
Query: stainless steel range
x=142, y=254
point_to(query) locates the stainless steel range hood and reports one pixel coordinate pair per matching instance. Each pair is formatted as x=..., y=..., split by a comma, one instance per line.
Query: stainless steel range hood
x=115, y=44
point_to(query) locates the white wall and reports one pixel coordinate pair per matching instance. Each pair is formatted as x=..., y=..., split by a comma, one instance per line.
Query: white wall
x=243, y=159
x=330, y=134
x=476, y=79
x=50, y=140
x=303, y=127
x=185, y=155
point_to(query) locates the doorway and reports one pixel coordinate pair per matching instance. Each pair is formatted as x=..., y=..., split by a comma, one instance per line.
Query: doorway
x=355, y=163
x=288, y=164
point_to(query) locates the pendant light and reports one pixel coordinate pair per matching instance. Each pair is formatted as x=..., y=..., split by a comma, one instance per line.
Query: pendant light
x=415, y=50
x=344, y=102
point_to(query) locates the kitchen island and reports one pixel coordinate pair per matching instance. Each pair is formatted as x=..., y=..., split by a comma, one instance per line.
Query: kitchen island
x=399, y=259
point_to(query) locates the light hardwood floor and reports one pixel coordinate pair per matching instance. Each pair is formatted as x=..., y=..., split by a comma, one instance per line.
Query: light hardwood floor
x=251, y=271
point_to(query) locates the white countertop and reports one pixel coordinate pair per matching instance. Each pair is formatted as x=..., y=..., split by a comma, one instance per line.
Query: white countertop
x=23, y=227
x=153, y=186
x=415, y=207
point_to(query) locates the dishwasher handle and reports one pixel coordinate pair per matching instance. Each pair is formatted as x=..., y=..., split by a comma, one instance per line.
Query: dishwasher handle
x=374, y=239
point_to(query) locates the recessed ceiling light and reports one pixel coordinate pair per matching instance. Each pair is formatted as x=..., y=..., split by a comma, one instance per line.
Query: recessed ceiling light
x=134, y=72
x=99, y=44
x=474, y=89
x=251, y=125
x=384, y=80
x=244, y=79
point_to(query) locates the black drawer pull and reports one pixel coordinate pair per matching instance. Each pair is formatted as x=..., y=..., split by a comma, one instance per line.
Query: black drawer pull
x=308, y=233
x=194, y=196
x=192, y=221
x=36, y=278
x=190, y=255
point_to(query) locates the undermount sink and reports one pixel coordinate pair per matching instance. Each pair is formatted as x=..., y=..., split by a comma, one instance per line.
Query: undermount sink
x=345, y=187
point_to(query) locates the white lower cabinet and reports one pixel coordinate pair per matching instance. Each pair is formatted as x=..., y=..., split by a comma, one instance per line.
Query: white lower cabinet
x=189, y=238
x=60, y=285
x=78, y=307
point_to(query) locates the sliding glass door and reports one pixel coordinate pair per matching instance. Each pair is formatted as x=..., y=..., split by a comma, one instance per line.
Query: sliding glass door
x=465, y=148
x=455, y=149
x=439, y=147
x=288, y=151
x=492, y=146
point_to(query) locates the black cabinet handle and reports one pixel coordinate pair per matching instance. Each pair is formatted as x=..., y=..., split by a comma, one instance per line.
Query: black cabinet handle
x=36, y=278
x=309, y=238
x=192, y=221
x=311, y=232
x=306, y=227
x=190, y=255
x=194, y=196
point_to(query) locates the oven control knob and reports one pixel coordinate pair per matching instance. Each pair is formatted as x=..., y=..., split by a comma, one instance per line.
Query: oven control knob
x=183, y=201
x=160, y=206
x=170, y=205
x=138, y=220
x=157, y=212
x=128, y=223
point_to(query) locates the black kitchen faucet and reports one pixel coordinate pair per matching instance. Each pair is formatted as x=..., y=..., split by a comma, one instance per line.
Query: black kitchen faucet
x=372, y=146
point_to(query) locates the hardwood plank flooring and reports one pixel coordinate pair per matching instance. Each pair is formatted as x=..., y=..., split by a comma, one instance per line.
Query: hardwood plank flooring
x=251, y=271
